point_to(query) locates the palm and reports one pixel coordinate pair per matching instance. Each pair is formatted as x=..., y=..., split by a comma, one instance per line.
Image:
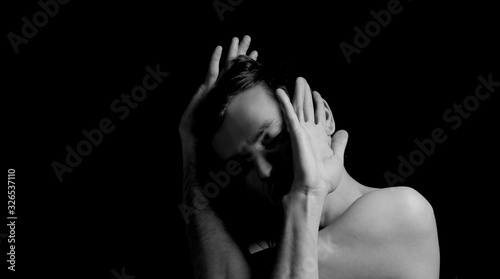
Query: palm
x=317, y=166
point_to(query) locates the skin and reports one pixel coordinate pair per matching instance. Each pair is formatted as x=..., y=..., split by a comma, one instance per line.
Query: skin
x=398, y=218
x=335, y=227
x=245, y=116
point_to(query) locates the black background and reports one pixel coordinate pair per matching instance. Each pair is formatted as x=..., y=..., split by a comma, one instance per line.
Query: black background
x=118, y=208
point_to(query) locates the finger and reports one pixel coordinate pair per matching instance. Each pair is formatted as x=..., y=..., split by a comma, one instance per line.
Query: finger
x=233, y=50
x=288, y=111
x=339, y=143
x=254, y=54
x=319, y=110
x=213, y=67
x=308, y=103
x=245, y=43
x=298, y=98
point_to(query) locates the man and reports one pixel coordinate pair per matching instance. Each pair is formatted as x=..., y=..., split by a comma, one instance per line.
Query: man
x=332, y=226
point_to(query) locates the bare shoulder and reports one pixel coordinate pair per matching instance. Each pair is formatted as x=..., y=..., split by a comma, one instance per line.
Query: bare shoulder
x=396, y=196
x=391, y=230
x=395, y=210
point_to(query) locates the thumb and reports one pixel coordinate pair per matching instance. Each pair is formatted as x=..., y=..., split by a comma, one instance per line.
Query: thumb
x=339, y=143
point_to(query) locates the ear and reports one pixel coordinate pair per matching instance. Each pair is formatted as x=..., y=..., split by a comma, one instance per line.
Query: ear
x=329, y=121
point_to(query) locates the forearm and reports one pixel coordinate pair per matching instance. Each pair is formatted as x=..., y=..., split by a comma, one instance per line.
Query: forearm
x=298, y=253
x=215, y=254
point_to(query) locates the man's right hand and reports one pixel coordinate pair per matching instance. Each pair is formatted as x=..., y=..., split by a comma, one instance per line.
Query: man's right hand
x=186, y=125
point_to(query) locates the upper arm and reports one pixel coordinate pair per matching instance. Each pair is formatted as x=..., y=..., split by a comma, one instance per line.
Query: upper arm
x=388, y=233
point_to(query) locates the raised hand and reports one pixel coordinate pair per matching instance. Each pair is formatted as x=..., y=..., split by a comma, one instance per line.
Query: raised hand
x=236, y=48
x=318, y=166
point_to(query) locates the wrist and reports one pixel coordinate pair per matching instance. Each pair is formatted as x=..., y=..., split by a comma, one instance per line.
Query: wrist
x=303, y=213
x=306, y=192
x=307, y=202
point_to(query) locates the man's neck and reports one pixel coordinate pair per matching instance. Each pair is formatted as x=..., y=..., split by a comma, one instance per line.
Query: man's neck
x=337, y=202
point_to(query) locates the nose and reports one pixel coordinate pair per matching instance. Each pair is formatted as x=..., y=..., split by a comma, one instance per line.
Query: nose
x=264, y=167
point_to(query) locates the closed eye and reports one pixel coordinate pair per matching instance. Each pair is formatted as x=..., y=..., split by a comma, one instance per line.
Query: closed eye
x=272, y=143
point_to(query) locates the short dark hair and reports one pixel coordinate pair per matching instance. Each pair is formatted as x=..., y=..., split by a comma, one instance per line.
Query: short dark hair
x=239, y=75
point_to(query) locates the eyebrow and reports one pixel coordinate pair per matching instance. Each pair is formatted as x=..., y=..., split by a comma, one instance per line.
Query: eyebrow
x=253, y=139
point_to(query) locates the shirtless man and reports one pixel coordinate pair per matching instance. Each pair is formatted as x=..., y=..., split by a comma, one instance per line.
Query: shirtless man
x=333, y=226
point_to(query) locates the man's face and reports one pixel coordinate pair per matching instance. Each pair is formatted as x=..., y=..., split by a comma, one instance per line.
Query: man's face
x=253, y=125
